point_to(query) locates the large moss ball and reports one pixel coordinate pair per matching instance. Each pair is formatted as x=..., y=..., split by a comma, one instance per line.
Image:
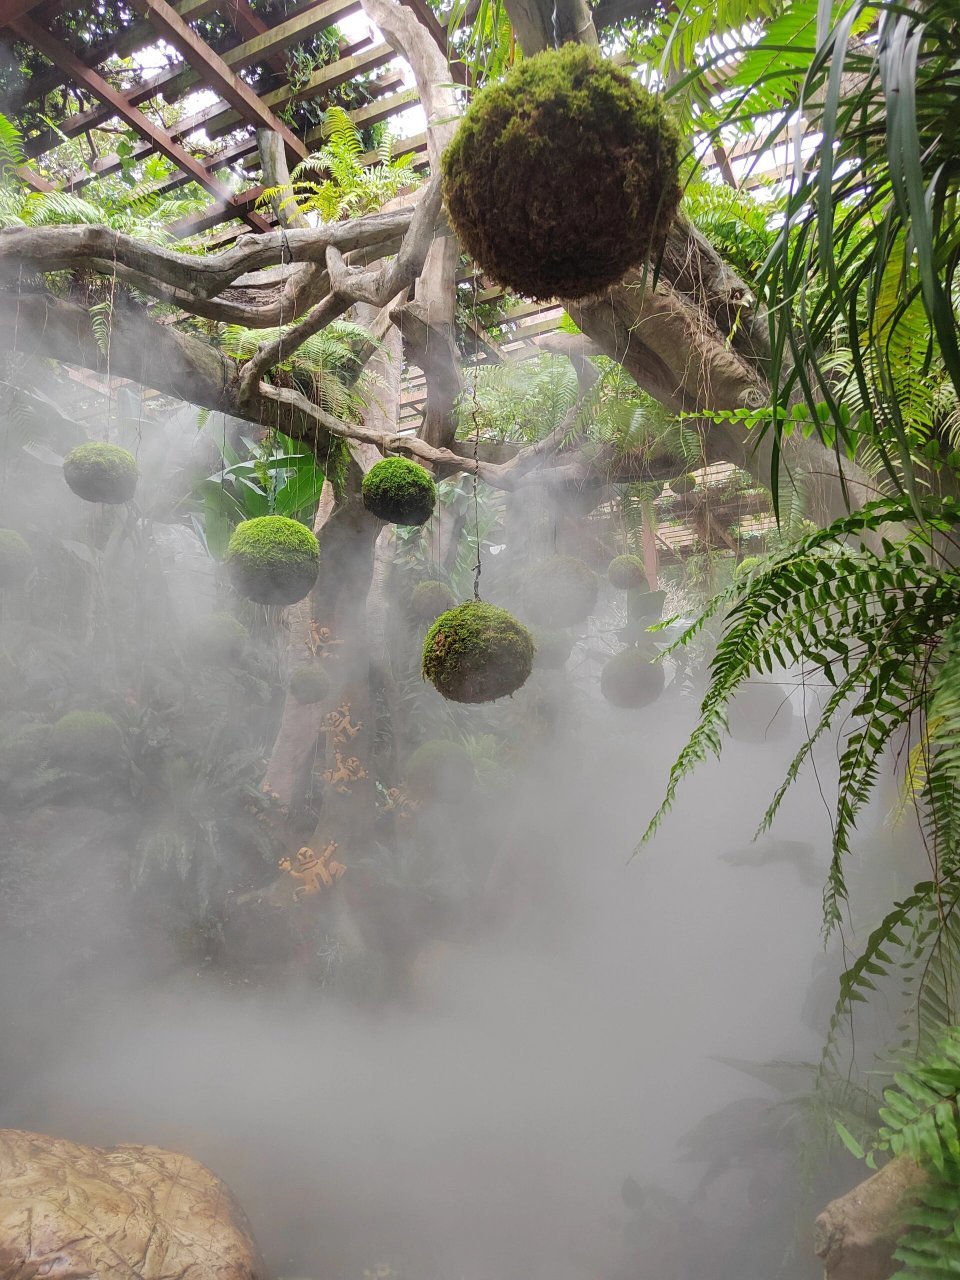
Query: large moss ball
x=272, y=560
x=86, y=740
x=218, y=638
x=626, y=572
x=560, y=592
x=630, y=679
x=562, y=176
x=429, y=599
x=477, y=653
x=553, y=648
x=308, y=683
x=438, y=769
x=101, y=473
x=16, y=559
x=760, y=713
x=399, y=491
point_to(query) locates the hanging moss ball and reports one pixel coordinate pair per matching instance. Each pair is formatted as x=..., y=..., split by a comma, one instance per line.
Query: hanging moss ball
x=308, y=683
x=683, y=484
x=86, y=739
x=626, y=573
x=477, y=653
x=429, y=599
x=630, y=679
x=437, y=769
x=760, y=713
x=101, y=473
x=562, y=176
x=16, y=559
x=553, y=648
x=272, y=560
x=399, y=491
x=217, y=639
x=560, y=592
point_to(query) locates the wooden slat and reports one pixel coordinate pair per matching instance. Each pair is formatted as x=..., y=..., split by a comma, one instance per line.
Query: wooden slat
x=11, y=10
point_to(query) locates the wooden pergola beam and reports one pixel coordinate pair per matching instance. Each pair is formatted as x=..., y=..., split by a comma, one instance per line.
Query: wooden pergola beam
x=11, y=10
x=160, y=139
x=215, y=72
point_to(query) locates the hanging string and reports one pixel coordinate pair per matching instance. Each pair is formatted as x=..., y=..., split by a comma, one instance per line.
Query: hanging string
x=286, y=257
x=478, y=567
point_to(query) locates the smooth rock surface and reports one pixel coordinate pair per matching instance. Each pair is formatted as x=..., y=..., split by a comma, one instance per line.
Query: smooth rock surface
x=856, y=1234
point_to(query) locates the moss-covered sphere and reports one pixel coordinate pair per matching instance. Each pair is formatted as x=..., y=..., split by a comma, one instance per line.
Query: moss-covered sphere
x=429, y=599
x=16, y=559
x=399, y=491
x=438, y=768
x=273, y=560
x=218, y=638
x=562, y=176
x=760, y=713
x=477, y=653
x=553, y=647
x=683, y=484
x=560, y=592
x=308, y=683
x=101, y=473
x=86, y=739
x=630, y=679
x=626, y=572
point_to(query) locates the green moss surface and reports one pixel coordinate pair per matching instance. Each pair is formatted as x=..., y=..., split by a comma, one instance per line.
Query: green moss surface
x=438, y=768
x=101, y=473
x=477, y=653
x=399, y=491
x=272, y=560
x=630, y=679
x=16, y=558
x=563, y=175
x=626, y=572
x=560, y=591
x=86, y=739
x=309, y=683
x=429, y=599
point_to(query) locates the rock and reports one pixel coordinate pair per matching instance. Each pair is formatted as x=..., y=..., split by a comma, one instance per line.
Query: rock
x=77, y=1212
x=856, y=1234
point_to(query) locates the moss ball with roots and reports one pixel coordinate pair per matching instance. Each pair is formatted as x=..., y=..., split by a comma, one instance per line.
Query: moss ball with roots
x=760, y=713
x=438, y=769
x=553, y=648
x=308, y=683
x=273, y=560
x=16, y=559
x=86, y=740
x=626, y=572
x=399, y=491
x=562, y=176
x=429, y=599
x=560, y=592
x=101, y=473
x=217, y=638
x=630, y=679
x=477, y=653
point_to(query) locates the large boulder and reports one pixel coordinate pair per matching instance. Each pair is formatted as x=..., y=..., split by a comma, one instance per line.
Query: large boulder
x=856, y=1235
x=74, y=1212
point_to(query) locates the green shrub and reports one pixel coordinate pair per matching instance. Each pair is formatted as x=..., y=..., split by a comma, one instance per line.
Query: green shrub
x=101, y=473
x=16, y=559
x=632, y=679
x=308, y=683
x=438, y=768
x=553, y=647
x=217, y=638
x=477, y=653
x=26, y=748
x=429, y=599
x=626, y=572
x=562, y=176
x=760, y=713
x=560, y=592
x=86, y=740
x=399, y=491
x=273, y=560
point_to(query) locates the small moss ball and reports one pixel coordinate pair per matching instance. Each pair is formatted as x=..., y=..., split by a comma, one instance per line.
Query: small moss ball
x=101, y=473
x=553, y=648
x=626, y=572
x=429, y=599
x=477, y=653
x=399, y=491
x=308, y=683
x=16, y=558
x=562, y=176
x=631, y=680
x=86, y=739
x=218, y=638
x=760, y=713
x=272, y=560
x=560, y=592
x=437, y=769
